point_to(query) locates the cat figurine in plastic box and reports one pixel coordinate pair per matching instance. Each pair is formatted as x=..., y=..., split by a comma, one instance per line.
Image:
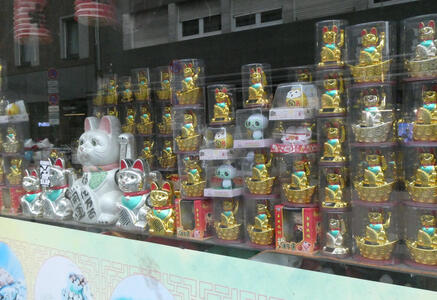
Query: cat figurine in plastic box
x=96, y=196
x=132, y=180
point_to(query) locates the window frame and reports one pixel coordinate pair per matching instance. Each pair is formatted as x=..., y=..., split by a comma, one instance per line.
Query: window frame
x=82, y=39
x=201, y=29
x=258, y=23
x=18, y=52
x=372, y=4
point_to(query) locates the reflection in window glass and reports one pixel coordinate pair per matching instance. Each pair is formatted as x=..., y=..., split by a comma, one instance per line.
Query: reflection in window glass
x=72, y=38
x=245, y=20
x=271, y=15
x=26, y=54
x=212, y=23
x=190, y=27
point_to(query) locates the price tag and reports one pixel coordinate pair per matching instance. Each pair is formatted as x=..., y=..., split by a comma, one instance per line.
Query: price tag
x=44, y=171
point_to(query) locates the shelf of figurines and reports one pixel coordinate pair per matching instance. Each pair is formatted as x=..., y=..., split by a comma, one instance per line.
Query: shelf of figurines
x=400, y=266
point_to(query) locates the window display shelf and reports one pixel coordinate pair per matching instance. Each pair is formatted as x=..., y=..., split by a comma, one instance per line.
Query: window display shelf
x=261, y=254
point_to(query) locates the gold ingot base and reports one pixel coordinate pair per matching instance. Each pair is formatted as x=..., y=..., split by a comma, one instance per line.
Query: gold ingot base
x=298, y=196
x=11, y=147
x=425, y=132
x=371, y=73
x=422, y=256
x=333, y=204
x=189, y=97
x=375, y=252
x=14, y=180
x=111, y=100
x=168, y=162
x=141, y=96
x=332, y=110
x=164, y=129
x=222, y=120
x=193, y=190
x=163, y=95
x=422, y=68
x=227, y=233
x=188, y=144
x=128, y=129
x=257, y=102
x=158, y=227
x=261, y=237
x=145, y=128
x=260, y=187
x=422, y=194
x=379, y=193
x=375, y=134
x=332, y=159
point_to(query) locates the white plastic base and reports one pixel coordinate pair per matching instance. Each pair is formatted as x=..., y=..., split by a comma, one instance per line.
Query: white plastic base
x=277, y=114
x=264, y=143
x=222, y=193
x=216, y=154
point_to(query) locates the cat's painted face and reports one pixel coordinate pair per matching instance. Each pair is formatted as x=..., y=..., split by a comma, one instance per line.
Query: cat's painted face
x=132, y=179
x=31, y=181
x=129, y=180
x=57, y=174
x=99, y=146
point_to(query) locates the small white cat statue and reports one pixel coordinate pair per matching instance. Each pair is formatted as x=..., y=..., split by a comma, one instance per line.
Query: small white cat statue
x=31, y=202
x=132, y=180
x=96, y=197
x=55, y=198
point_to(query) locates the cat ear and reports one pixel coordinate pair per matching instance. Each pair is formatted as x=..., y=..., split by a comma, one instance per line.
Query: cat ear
x=421, y=25
x=431, y=23
x=363, y=32
x=34, y=173
x=373, y=30
x=26, y=172
x=123, y=164
x=224, y=90
x=216, y=91
x=166, y=186
x=91, y=123
x=138, y=164
x=110, y=125
x=154, y=186
x=335, y=28
x=60, y=163
x=325, y=29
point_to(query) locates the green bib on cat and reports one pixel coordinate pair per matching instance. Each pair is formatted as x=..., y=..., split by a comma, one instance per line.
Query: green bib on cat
x=96, y=179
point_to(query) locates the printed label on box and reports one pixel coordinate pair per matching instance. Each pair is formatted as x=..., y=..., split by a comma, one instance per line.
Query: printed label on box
x=264, y=143
x=294, y=148
x=290, y=113
x=216, y=154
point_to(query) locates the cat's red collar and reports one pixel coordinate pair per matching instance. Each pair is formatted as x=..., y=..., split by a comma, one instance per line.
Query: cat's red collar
x=139, y=193
x=59, y=187
x=33, y=192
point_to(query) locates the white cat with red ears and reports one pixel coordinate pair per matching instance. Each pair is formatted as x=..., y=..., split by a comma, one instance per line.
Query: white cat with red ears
x=31, y=202
x=96, y=197
x=56, y=203
x=132, y=180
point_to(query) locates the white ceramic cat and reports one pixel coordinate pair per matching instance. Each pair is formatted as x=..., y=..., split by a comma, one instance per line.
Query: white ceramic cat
x=132, y=180
x=31, y=202
x=95, y=197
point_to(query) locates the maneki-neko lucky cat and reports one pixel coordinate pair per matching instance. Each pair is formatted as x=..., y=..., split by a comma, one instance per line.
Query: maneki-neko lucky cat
x=426, y=48
x=222, y=106
x=372, y=47
x=331, y=50
x=257, y=94
x=96, y=196
x=161, y=216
